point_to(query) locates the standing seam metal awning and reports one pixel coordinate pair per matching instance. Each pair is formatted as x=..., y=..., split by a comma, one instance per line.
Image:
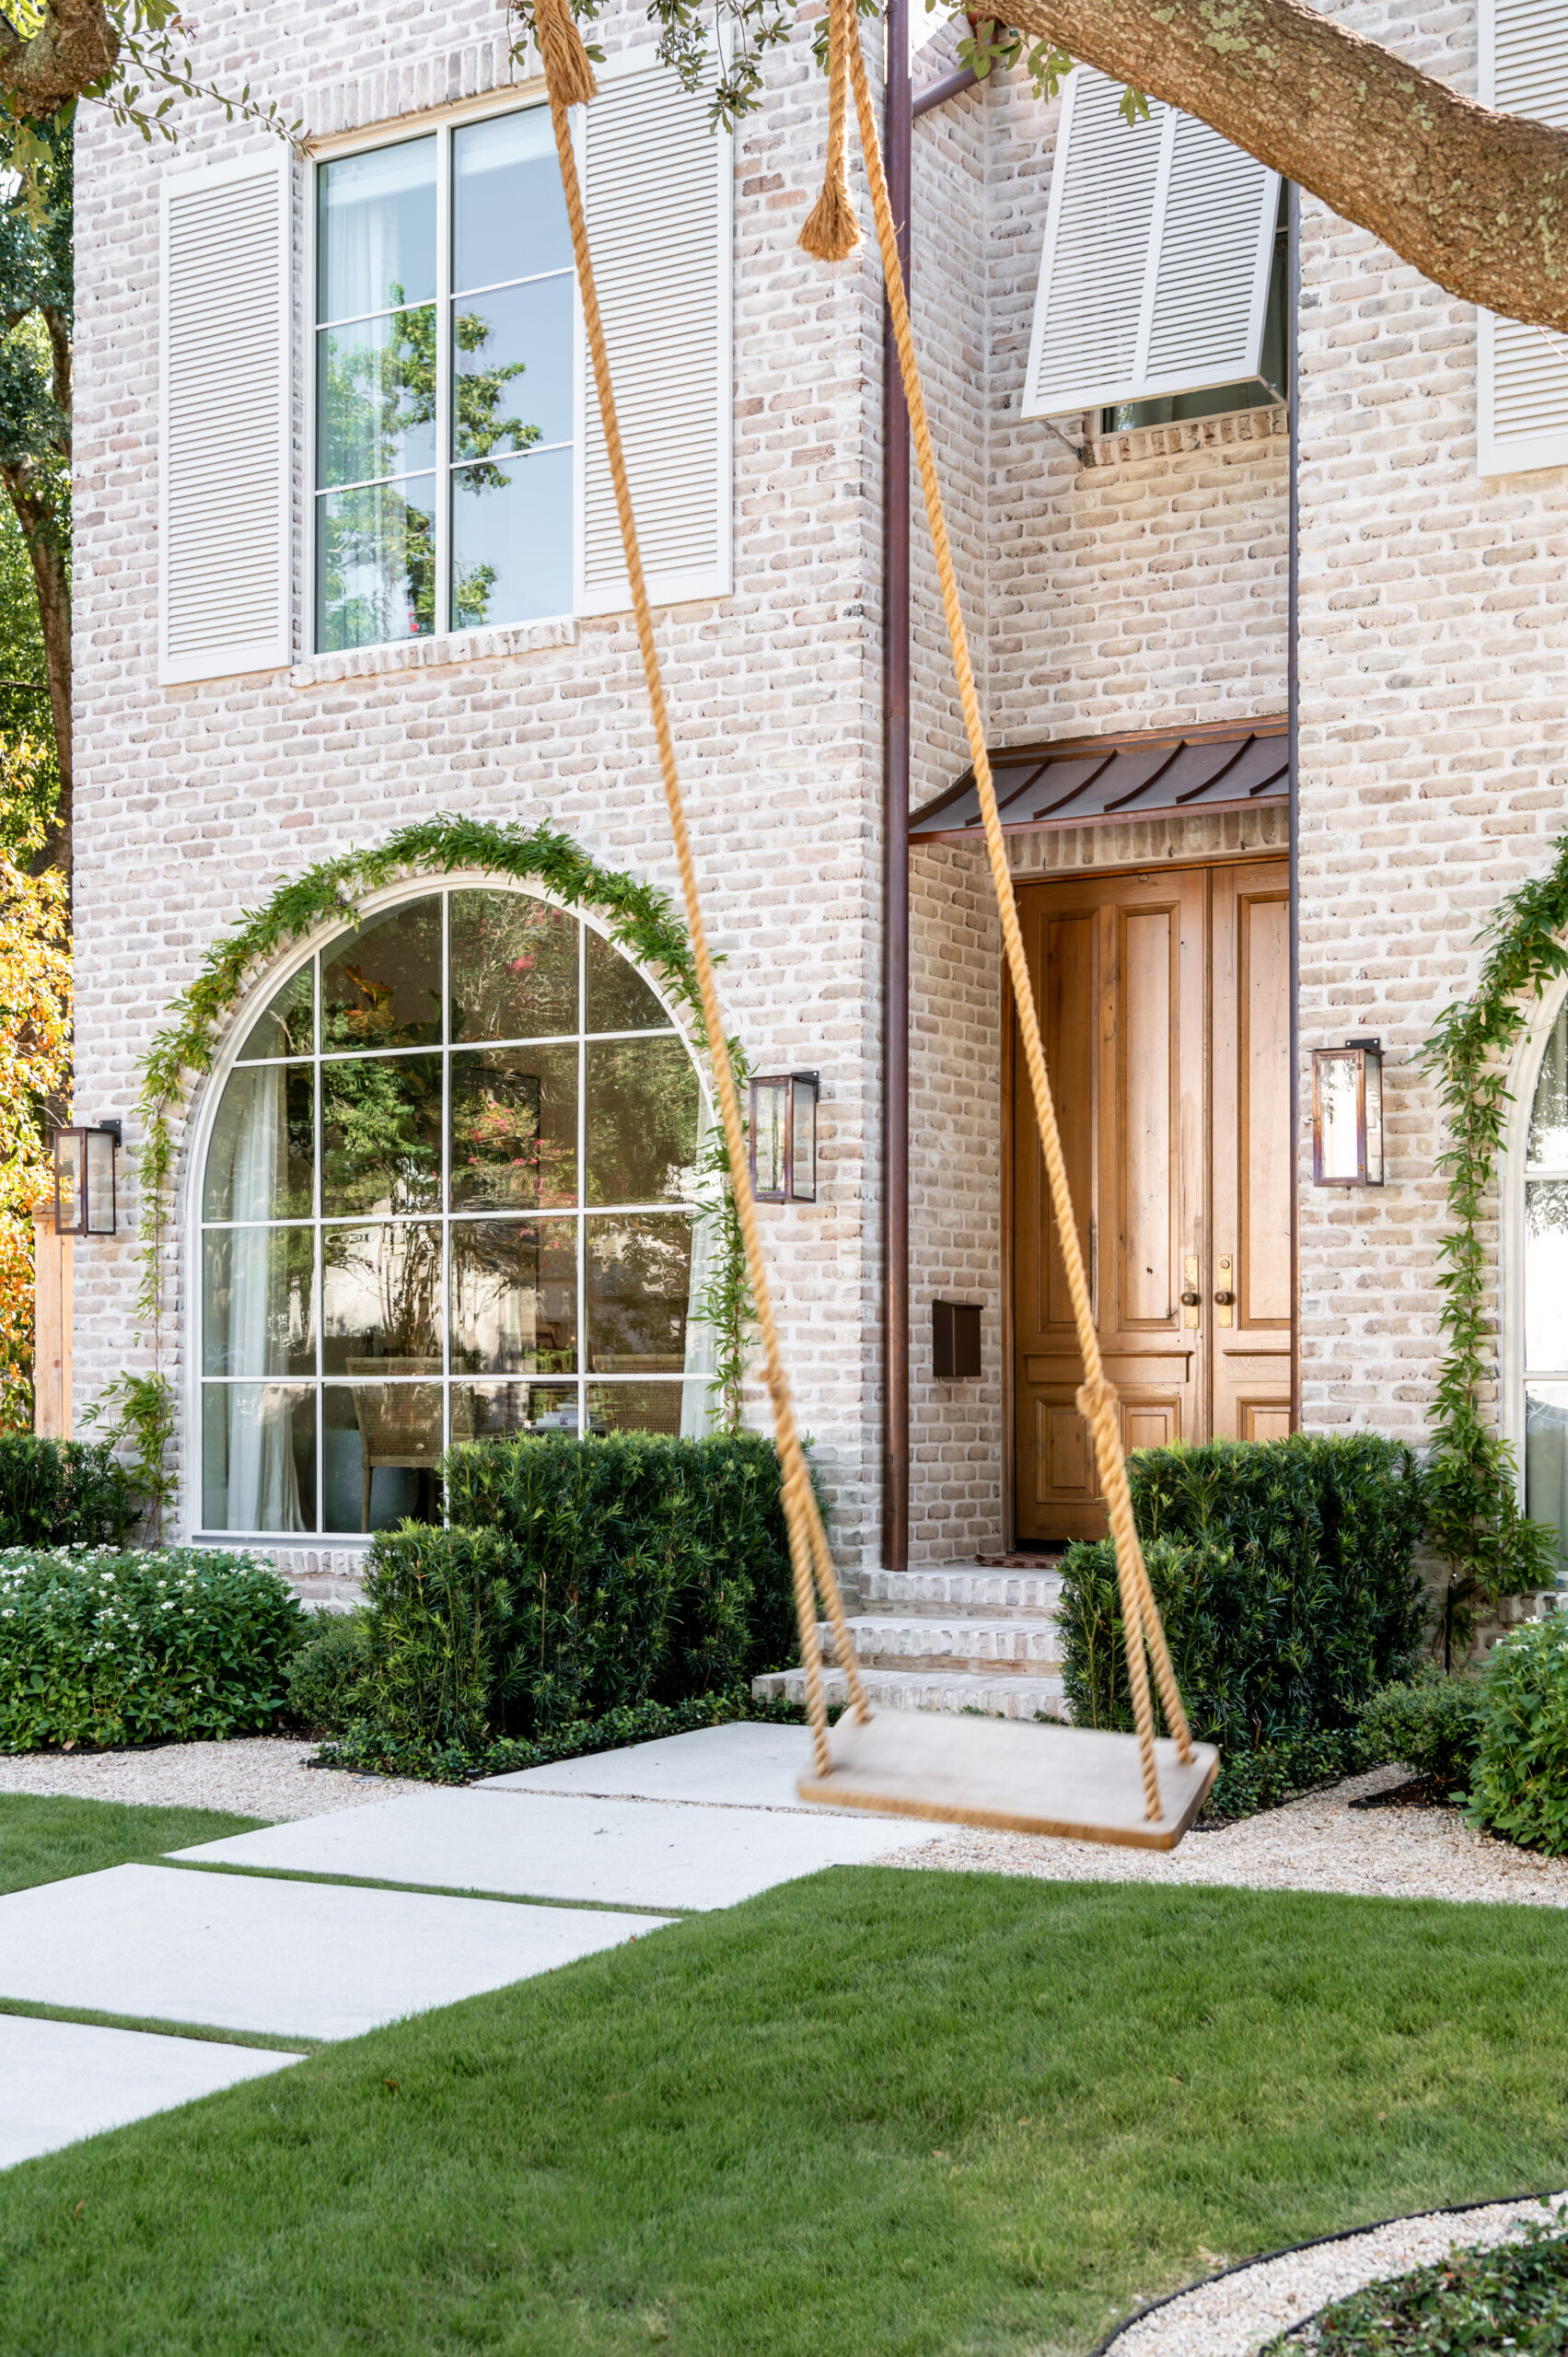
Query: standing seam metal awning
x=1130, y=776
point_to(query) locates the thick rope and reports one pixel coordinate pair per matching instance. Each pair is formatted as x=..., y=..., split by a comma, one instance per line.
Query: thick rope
x=832, y=231
x=1098, y=1397
x=569, y=79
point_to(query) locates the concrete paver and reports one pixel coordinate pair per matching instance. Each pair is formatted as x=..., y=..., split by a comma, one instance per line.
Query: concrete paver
x=290, y=1958
x=547, y=1845
x=742, y=1766
x=63, y=2080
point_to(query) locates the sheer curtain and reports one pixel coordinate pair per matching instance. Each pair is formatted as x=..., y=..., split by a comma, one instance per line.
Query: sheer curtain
x=264, y=1485
x=697, y=1405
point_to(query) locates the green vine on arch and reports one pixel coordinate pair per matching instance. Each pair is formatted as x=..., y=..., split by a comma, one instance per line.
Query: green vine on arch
x=642, y=923
x=1474, y=1523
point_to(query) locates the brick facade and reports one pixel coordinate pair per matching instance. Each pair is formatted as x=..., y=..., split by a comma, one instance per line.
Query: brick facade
x=1140, y=584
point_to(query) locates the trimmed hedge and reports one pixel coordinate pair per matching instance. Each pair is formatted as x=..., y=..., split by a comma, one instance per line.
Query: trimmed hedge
x=62, y=1494
x=578, y=1577
x=1431, y=1723
x=106, y=1647
x=323, y=1677
x=1284, y=1573
x=362, y=1745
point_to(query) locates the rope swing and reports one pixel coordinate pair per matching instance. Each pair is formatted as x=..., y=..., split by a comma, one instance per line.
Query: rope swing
x=965, y=1770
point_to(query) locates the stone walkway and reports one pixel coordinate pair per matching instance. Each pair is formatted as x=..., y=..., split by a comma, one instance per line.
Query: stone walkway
x=277, y=1934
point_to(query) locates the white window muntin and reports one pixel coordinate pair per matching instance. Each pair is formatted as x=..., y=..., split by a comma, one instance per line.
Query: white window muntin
x=693, y=1385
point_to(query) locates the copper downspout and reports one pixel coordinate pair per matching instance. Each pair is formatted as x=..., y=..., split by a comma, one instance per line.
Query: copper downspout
x=896, y=851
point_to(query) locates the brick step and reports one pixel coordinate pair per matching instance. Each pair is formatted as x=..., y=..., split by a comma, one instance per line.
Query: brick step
x=1029, y=1596
x=1007, y=1697
x=985, y=1647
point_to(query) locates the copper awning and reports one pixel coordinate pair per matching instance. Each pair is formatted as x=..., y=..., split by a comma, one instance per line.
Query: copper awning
x=1077, y=780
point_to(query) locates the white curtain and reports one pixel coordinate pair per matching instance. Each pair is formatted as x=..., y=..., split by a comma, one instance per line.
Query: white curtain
x=263, y=1486
x=698, y=1405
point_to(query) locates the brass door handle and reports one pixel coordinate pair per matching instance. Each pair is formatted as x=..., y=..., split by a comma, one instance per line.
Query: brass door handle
x=1191, y=1300
x=1224, y=1299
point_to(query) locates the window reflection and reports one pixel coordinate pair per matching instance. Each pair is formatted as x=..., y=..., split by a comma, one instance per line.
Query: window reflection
x=381, y=1134
x=287, y=1026
x=514, y=1127
x=637, y=1277
x=258, y=1300
x=643, y=1107
x=382, y=1299
x=514, y=967
x=515, y=1296
x=381, y=988
x=258, y=1456
x=260, y=1164
x=618, y=998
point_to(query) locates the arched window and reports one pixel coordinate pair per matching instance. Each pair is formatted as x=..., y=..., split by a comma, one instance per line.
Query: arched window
x=1545, y=1290
x=447, y=1194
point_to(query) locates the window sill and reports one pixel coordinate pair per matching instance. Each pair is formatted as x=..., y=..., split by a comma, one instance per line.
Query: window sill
x=1220, y=432
x=432, y=654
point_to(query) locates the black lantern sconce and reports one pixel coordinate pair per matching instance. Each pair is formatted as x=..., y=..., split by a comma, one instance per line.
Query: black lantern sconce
x=84, y=1179
x=784, y=1137
x=1347, y=1114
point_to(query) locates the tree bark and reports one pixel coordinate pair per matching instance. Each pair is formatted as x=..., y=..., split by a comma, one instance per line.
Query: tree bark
x=1477, y=201
x=76, y=47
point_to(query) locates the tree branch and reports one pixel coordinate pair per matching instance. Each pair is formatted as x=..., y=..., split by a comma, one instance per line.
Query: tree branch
x=74, y=49
x=1477, y=201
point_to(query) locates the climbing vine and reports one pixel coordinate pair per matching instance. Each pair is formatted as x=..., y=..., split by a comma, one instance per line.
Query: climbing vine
x=642, y=923
x=1473, y=1518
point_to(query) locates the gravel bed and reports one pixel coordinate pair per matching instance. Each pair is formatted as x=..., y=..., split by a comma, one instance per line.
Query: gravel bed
x=262, y=1775
x=1238, y=2315
x=1319, y=1844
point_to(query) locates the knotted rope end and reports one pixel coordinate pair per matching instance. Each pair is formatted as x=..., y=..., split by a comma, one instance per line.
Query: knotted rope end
x=832, y=232
x=566, y=66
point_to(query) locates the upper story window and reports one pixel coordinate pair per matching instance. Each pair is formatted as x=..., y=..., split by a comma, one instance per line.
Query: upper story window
x=444, y=385
x=1160, y=249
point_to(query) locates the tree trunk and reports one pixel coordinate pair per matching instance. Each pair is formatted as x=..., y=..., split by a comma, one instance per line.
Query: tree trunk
x=41, y=533
x=1478, y=200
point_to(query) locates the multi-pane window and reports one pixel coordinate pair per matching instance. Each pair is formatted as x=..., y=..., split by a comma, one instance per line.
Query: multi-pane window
x=1546, y=1293
x=444, y=384
x=449, y=1195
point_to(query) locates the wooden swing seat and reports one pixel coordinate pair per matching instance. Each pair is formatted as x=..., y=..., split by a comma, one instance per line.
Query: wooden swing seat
x=1019, y=1776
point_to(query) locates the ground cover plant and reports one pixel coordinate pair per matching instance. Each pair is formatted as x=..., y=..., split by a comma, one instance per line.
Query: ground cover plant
x=1515, y=2300
x=104, y=1647
x=46, y=1836
x=891, y=2112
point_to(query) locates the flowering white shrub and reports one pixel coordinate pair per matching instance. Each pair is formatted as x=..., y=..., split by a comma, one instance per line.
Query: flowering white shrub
x=107, y=1647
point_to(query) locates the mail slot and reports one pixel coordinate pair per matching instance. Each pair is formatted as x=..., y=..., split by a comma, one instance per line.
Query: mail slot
x=954, y=1335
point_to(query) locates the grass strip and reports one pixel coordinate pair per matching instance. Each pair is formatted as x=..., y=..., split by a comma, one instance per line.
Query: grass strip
x=889, y=2112
x=202, y=2031
x=44, y=1837
x=423, y=1889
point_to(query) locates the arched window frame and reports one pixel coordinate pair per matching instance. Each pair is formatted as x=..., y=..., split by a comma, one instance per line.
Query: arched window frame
x=202, y=1122
x=1524, y=1071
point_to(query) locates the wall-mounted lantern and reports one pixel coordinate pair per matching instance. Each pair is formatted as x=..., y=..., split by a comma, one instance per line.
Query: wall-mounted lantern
x=1347, y=1114
x=84, y=1179
x=784, y=1137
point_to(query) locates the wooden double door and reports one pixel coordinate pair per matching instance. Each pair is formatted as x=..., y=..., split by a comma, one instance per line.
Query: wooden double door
x=1164, y=1001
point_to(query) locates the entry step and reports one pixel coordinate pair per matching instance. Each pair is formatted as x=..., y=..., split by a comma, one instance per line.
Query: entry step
x=949, y=1645
x=963, y=1588
x=1007, y=1697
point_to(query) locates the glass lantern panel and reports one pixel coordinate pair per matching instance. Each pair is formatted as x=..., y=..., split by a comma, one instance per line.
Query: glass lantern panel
x=1338, y=1116
x=70, y=1159
x=770, y=1112
x=803, y=1162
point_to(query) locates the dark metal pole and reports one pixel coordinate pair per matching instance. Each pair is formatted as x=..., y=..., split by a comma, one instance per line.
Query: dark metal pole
x=1293, y=704
x=896, y=802
x=936, y=94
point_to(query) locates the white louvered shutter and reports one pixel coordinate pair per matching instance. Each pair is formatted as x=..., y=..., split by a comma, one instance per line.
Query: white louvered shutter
x=657, y=189
x=1158, y=241
x=1522, y=392
x=223, y=494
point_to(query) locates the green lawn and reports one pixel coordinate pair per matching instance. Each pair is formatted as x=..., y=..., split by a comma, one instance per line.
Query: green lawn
x=873, y=2112
x=44, y=1838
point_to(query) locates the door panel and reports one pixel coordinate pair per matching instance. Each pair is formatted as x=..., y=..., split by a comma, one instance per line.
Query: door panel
x=1251, y=1152
x=1165, y=1005
x=1118, y=967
